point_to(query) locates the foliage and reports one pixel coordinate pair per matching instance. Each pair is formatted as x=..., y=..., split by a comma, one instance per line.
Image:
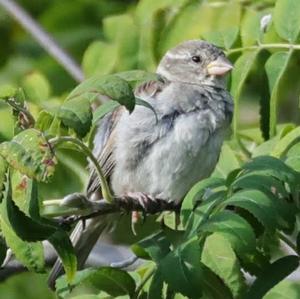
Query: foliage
x=233, y=223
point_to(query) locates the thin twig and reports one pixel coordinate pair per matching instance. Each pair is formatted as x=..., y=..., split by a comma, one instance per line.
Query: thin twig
x=43, y=38
x=265, y=46
x=104, y=185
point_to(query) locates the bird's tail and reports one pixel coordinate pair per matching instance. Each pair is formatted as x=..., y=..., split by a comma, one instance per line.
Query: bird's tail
x=84, y=238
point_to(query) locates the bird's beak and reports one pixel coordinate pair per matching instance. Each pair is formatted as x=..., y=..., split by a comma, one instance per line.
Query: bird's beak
x=219, y=67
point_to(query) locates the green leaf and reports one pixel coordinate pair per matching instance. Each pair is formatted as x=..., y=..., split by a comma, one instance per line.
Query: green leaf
x=77, y=114
x=287, y=19
x=227, y=162
x=240, y=73
x=285, y=143
x=156, y=286
x=275, y=190
x=103, y=110
x=113, y=281
x=275, y=167
x=7, y=91
x=284, y=290
x=219, y=256
x=155, y=247
x=189, y=22
x=111, y=86
x=35, y=230
x=227, y=26
x=123, y=31
x=250, y=29
x=99, y=58
x=272, y=275
x=44, y=121
x=264, y=183
x=203, y=212
x=258, y=204
x=36, y=87
x=3, y=170
x=185, y=273
x=26, y=228
x=148, y=14
x=196, y=194
x=137, y=77
x=64, y=248
x=234, y=229
x=275, y=69
x=31, y=255
x=30, y=153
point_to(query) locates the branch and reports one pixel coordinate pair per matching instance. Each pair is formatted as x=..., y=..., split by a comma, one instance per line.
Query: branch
x=43, y=38
x=126, y=204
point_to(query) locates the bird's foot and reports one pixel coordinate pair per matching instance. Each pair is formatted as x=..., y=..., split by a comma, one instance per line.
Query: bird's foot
x=147, y=202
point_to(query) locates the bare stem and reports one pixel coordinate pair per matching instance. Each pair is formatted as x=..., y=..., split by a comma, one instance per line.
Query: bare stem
x=104, y=185
x=265, y=46
x=43, y=38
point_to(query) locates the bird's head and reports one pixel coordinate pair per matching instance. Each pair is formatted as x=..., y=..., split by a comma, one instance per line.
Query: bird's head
x=195, y=62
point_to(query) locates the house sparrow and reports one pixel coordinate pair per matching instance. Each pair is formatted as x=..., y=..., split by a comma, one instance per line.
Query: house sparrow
x=145, y=157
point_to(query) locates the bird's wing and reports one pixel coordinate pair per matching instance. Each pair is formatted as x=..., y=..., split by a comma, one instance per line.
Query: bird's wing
x=104, y=141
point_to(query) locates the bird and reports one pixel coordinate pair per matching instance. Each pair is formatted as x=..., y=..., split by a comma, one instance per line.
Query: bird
x=147, y=156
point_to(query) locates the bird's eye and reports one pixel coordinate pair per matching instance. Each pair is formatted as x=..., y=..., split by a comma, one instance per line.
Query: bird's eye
x=196, y=59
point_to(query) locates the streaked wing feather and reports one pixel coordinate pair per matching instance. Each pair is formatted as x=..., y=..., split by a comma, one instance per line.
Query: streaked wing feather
x=105, y=137
x=103, y=149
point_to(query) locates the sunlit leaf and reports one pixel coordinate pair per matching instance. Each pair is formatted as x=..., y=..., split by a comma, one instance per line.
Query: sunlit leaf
x=227, y=29
x=185, y=273
x=233, y=228
x=228, y=161
x=287, y=19
x=196, y=193
x=64, y=248
x=250, y=29
x=30, y=153
x=36, y=87
x=99, y=58
x=240, y=73
x=284, y=144
x=219, y=256
x=272, y=275
x=284, y=290
x=275, y=68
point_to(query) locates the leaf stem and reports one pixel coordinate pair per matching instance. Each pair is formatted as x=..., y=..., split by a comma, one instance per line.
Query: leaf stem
x=287, y=241
x=104, y=185
x=265, y=46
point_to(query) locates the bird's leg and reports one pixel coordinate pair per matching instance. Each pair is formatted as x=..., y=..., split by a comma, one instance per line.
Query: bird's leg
x=145, y=201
